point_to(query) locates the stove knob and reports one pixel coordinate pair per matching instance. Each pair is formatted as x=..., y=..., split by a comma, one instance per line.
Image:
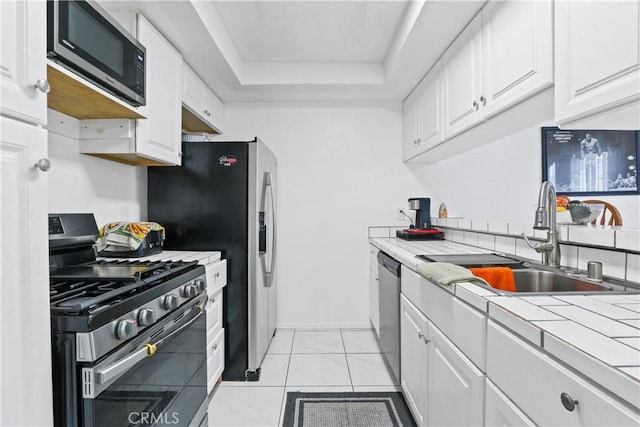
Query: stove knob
x=146, y=317
x=126, y=329
x=170, y=302
x=201, y=284
x=190, y=291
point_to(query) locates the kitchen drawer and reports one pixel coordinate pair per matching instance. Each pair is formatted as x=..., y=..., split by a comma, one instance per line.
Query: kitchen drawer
x=216, y=276
x=535, y=382
x=215, y=358
x=501, y=411
x=214, y=312
x=465, y=326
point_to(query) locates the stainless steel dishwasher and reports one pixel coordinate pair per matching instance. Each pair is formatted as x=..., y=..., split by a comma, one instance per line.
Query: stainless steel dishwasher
x=389, y=307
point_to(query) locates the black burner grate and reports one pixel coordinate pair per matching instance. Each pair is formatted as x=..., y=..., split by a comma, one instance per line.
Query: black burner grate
x=87, y=288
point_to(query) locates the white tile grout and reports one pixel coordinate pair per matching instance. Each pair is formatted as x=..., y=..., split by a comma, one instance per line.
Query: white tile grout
x=284, y=388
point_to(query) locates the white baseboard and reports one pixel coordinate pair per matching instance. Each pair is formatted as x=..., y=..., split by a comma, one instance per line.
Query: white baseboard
x=324, y=325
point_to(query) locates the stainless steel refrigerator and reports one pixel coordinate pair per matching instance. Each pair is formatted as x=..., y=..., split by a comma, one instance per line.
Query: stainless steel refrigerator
x=223, y=197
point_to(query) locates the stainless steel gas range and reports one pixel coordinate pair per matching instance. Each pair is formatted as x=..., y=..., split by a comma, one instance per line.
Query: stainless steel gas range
x=128, y=337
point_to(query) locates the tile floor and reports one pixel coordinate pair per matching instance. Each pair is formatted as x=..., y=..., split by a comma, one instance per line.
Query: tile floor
x=302, y=360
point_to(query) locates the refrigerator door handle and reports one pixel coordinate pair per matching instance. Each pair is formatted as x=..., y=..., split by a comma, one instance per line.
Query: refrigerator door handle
x=271, y=267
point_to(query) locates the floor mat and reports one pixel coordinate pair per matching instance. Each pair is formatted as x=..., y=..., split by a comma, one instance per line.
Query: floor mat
x=346, y=409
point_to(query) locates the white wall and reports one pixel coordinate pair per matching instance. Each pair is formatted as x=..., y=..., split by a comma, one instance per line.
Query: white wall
x=339, y=171
x=501, y=181
x=79, y=183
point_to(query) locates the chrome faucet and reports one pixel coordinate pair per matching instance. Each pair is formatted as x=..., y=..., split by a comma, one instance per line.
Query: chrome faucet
x=546, y=220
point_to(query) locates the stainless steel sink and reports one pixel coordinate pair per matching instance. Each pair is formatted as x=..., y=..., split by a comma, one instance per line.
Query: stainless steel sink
x=538, y=281
x=547, y=281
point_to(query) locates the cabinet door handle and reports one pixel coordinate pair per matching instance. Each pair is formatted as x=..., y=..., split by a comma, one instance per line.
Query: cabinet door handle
x=568, y=402
x=476, y=105
x=483, y=100
x=43, y=164
x=42, y=85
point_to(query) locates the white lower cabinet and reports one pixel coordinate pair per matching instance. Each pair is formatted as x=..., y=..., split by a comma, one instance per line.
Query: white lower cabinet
x=546, y=391
x=441, y=385
x=455, y=395
x=215, y=358
x=216, y=274
x=413, y=359
x=374, y=292
x=501, y=411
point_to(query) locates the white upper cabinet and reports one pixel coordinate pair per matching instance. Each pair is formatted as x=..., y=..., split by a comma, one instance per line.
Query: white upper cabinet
x=23, y=74
x=411, y=111
x=504, y=56
x=597, y=64
x=431, y=111
x=202, y=109
x=159, y=137
x=517, y=46
x=422, y=115
x=462, y=80
x=156, y=140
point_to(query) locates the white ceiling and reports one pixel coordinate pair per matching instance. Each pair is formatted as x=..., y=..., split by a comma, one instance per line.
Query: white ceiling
x=308, y=50
x=312, y=31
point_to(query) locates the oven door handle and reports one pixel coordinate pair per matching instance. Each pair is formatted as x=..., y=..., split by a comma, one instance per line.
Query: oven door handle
x=114, y=370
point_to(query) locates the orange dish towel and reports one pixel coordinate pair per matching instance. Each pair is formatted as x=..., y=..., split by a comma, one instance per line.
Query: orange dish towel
x=498, y=277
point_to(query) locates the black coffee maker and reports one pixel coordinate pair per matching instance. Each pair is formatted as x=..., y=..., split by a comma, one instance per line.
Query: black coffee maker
x=422, y=229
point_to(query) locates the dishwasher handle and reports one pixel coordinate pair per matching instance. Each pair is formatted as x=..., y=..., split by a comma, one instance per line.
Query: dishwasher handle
x=386, y=261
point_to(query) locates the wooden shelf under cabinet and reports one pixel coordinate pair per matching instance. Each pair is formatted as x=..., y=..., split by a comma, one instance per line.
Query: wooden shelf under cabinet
x=72, y=96
x=192, y=123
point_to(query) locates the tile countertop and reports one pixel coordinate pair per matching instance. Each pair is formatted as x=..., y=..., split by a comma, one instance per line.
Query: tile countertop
x=598, y=334
x=203, y=257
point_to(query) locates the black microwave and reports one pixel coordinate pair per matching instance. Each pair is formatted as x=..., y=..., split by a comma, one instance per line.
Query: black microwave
x=83, y=37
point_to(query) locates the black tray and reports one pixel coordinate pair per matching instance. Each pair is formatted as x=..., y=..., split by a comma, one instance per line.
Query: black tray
x=473, y=260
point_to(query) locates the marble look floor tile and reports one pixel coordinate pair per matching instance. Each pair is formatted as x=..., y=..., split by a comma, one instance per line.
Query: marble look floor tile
x=363, y=341
x=246, y=406
x=377, y=388
x=318, y=370
x=369, y=369
x=273, y=372
x=282, y=342
x=318, y=341
x=319, y=389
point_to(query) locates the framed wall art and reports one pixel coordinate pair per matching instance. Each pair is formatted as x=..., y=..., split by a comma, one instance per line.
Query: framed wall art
x=591, y=162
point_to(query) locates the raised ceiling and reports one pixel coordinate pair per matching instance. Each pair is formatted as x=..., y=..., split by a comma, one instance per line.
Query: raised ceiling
x=312, y=31
x=308, y=50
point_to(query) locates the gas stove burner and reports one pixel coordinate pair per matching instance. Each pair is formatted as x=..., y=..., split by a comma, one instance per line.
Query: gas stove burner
x=85, y=297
